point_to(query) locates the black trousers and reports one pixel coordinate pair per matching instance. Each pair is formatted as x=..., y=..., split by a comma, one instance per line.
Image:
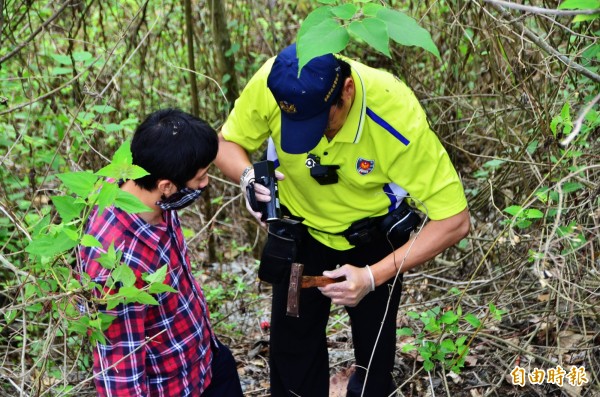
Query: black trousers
x=225, y=380
x=299, y=359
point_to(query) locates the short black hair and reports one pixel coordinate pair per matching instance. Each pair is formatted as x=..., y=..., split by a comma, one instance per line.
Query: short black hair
x=172, y=144
x=345, y=72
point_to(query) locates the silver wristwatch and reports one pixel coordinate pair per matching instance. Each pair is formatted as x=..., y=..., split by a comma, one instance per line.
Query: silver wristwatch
x=245, y=172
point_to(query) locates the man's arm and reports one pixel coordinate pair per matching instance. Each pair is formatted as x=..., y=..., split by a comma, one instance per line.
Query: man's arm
x=231, y=159
x=433, y=239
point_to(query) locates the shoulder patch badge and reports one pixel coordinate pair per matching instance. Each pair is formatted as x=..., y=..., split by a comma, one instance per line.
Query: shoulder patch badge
x=364, y=166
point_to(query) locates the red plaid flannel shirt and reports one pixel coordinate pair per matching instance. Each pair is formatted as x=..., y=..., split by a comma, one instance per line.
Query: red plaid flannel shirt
x=162, y=350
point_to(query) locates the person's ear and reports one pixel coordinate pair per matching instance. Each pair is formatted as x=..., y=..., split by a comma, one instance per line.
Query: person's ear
x=166, y=187
x=348, y=89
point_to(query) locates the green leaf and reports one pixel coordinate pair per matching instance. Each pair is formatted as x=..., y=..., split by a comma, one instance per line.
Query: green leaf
x=112, y=127
x=10, y=315
x=427, y=365
x=315, y=18
x=103, y=109
x=584, y=18
x=513, y=210
x=63, y=59
x=81, y=183
x=404, y=331
x=345, y=11
x=133, y=294
x=67, y=207
x=125, y=275
x=374, y=32
x=123, y=154
x=432, y=326
x=523, y=224
x=408, y=347
x=156, y=277
x=454, y=291
x=81, y=56
x=493, y=163
x=371, y=9
x=570, y=187
x=90, y=241
x=51, y=245
x=532, y=146
x=71, y=233
x=406, y=31
x=110, y=258
x=158, y=288
x=320, y=34
x=472, y=320
x=579, y=5
x=80, y=325
x=122, y=171
x=497, y=313
x=96, y=336
x=449, y=318
x=533, y=214
x=59, y=71
x=105, y=320
x=107, y=196
x=130, y=203
x=448, y=345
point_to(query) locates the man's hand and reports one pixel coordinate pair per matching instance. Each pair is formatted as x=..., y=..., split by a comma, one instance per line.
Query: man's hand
x=261, y=193
x=349, y=292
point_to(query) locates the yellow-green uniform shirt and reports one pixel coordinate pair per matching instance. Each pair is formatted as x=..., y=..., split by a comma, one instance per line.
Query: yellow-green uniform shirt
x=385, y=151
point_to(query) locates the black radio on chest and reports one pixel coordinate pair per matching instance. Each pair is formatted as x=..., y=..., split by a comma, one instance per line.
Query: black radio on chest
x=324, y=174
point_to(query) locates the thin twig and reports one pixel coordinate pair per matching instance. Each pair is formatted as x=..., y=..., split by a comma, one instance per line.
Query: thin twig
x=540, y=10
x=35, y=33
x=545, y=46
x=579, y=121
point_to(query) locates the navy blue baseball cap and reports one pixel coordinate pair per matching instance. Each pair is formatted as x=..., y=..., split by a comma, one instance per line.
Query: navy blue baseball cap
x=304, y=101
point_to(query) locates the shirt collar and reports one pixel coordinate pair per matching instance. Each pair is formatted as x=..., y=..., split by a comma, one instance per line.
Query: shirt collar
x=148, y=234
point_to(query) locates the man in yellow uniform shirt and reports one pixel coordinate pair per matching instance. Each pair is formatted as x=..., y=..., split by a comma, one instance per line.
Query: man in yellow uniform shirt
x=351, y=145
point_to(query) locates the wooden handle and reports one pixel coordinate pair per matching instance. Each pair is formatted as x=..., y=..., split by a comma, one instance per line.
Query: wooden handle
x=319, y=281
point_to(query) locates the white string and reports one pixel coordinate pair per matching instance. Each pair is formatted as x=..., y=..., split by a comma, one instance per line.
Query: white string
x=398, y=272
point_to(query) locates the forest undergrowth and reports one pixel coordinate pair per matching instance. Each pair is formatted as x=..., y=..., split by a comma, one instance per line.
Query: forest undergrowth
x=514, y=99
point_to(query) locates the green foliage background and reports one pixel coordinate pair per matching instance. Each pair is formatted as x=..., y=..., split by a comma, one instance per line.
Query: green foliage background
x=513, y=97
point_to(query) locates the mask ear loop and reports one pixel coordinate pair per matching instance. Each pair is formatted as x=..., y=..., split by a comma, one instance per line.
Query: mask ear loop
x=398, y=272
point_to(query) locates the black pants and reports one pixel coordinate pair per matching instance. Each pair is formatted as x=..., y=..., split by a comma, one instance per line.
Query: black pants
x=225, y=379
x=299, y=360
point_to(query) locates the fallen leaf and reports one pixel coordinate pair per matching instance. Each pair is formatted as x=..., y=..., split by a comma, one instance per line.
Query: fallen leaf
x=339, y=382
x=543, y=297
x=475, y=393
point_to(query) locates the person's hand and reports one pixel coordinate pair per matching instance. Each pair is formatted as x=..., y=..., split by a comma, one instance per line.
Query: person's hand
x=358, y=283
x=261, y=193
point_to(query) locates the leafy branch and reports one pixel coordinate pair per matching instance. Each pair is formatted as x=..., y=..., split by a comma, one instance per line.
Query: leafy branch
x=328, y=29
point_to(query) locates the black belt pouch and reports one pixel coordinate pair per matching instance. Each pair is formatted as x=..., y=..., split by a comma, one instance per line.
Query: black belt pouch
x=280, y=251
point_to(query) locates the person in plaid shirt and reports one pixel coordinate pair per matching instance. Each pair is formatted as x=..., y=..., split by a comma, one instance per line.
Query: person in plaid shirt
x=169, y=349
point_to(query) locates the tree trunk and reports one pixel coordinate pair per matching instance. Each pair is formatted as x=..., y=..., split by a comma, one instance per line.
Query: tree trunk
x=225, y=65
x=190, y=51
x=208, y=210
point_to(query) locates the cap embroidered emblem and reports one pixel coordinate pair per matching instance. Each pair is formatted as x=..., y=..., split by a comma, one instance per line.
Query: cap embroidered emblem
x=287, y=107
x=364, y=166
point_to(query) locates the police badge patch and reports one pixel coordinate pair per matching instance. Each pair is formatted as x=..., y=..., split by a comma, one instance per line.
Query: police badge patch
x=364, y=166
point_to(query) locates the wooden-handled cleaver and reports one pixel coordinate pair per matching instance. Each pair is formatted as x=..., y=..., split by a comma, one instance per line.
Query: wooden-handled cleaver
x=298, y=281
